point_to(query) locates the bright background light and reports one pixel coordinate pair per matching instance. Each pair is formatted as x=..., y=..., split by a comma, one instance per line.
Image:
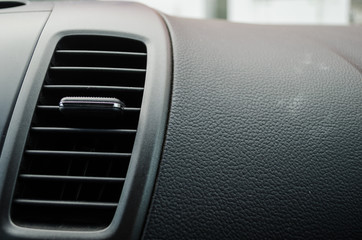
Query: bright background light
x=184, y=8
x=292, y=11
x=321, y=12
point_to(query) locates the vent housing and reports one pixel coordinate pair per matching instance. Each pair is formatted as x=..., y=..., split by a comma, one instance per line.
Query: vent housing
x=74, y=167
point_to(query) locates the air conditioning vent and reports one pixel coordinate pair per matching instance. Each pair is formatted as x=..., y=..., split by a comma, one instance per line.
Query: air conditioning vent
x=74, y=166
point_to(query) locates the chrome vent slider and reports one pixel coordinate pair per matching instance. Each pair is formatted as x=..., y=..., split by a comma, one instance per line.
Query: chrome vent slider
x=71, y=105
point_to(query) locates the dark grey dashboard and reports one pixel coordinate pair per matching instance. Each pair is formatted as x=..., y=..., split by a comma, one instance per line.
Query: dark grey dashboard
x=245, y=131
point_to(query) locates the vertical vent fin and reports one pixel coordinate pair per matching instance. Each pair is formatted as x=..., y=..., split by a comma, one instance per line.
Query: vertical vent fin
x=74, y=167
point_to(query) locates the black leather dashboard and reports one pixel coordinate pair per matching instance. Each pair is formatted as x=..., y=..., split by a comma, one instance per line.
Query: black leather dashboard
x=264, y=137
x=256, y=130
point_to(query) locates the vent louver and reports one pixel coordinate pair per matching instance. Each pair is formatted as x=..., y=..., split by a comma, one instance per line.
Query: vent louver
x=74, y=167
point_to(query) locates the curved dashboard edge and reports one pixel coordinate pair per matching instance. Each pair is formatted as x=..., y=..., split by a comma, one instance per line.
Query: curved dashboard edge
x=15, y=57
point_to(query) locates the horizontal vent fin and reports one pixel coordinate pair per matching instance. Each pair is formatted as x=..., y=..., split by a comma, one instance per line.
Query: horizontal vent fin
x=126, y=109
x=69, y=178
x=87, y=52
x=65, y=203
x=90, y=87
x=98, y=69
x=77, y=154
x=83, y=130
x=74, y=166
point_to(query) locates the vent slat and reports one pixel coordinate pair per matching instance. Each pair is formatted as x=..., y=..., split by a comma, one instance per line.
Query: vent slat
x=84, y=130
x=71, y=178
x=89, y=87
x=75, y=163
x=49, y=107
x=78, y=154
x=98, y=69
x=102, y=52
x=66, y=203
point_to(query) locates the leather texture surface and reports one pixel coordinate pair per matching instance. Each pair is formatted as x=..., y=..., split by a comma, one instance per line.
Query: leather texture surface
x=264, y=139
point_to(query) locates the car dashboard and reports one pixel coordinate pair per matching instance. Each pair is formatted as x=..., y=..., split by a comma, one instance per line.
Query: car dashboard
x=121, y=122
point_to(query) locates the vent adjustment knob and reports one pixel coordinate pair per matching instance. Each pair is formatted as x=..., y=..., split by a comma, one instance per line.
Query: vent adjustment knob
x=90, y=105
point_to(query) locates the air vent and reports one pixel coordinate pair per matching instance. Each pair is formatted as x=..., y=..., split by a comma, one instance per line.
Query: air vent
x=74, y=165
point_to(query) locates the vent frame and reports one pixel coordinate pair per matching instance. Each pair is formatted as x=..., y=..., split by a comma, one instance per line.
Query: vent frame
x=79, y=187
x=146, y=153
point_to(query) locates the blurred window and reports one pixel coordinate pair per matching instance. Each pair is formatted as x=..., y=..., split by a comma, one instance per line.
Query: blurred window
x=317, y=12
